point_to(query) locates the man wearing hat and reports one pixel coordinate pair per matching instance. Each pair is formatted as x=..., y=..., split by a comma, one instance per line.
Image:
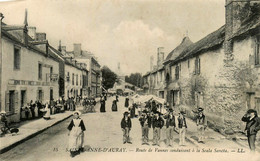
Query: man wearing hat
x=157, y=124
x=252, y=127
x=170, y=126
x=182, y=125
x=145, y=122
x=126, y=126
x=201, y=125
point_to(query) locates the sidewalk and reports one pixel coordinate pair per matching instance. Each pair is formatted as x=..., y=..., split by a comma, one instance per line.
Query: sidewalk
x=31, y=129
x=214, y=139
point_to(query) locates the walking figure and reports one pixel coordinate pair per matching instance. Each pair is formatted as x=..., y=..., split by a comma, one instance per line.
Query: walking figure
x=252, y=127
x=201, y=125
x=158, y=123
x=182, y=125
x=126, y=126
x=170, y=127
x=145, y=122
x=76, y=134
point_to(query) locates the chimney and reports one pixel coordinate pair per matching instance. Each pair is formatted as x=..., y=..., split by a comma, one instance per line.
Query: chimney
x=236, y=12
x=40, y=36
x=32, y=32
x=151, y=63
x=59, y=47
x=160, y=56
x=77, y=50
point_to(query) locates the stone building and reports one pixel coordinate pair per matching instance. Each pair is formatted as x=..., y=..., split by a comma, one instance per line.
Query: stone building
x=220, y=71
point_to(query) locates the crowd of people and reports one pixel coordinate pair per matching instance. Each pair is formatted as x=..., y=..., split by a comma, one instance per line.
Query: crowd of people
x=38, y=109
x=151, y=117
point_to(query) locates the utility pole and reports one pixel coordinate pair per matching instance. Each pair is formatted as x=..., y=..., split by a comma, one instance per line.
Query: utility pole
x=1, y=18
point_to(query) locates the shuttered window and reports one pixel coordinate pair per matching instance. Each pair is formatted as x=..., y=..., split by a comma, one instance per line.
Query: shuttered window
x=17, y=58
x=197, y=66
x=11, y=101
x=257, y=50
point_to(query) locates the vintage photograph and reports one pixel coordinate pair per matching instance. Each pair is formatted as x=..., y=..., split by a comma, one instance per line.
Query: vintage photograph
x=130, y=80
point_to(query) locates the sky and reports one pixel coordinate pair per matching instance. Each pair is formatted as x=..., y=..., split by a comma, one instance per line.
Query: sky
x=125, y=31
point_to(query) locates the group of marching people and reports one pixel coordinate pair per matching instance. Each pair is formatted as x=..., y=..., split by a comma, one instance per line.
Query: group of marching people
x=89, y=104
x=151, y=118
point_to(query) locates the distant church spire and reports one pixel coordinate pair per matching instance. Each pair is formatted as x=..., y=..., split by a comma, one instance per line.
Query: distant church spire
x=118, y=66
x=25, y=18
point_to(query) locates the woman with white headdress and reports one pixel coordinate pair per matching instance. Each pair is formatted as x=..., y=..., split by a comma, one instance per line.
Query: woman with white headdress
x=47, y=111
x=76, y=134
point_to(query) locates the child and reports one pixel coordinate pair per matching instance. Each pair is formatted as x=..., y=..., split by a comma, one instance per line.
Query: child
x=201, y=125
x=145, y=122
x=76, y=134
x=182, y=127
x=170, y=126
x=158, y=123
x=126, y=126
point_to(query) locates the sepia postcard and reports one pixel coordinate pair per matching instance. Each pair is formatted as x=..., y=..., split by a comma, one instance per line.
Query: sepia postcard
x=137, y=80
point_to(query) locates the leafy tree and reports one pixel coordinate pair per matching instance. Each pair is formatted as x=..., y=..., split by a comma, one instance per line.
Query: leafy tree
x=108, y=77
x=135, y=79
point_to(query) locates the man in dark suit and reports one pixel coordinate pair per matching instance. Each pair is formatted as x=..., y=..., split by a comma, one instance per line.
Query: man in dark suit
x=126, y=126
x=252, y=127
x=182, y=125
x=157, y=124
x=145, y=122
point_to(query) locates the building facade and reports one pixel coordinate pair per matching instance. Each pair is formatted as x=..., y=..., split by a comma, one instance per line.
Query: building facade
x=27, y=72
x=93, y=67
x=220, y=72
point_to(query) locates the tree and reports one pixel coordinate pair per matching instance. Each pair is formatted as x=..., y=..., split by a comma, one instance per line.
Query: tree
x=108, y=77
x=135, y=79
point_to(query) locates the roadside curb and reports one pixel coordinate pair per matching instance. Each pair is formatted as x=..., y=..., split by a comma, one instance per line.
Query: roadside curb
x=190, y=140
x=9, y=147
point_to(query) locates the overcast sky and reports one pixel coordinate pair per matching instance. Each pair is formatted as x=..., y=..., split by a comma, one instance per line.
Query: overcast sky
x=122, y=31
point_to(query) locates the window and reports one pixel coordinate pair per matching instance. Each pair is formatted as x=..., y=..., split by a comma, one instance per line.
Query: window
x=177, y=72
x=51, y=70
x=39, y=71
x=68, y=76
x=77, y=79
x=40, y=95
x=257, y=50
x=80, y=80
x=197, y=66
x=23, y=98
x=11, y=101
x=51, y=94
x=17, y=58
x=72, y=78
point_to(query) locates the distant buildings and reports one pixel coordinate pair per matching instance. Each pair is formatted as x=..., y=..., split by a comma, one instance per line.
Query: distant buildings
x=33, y=70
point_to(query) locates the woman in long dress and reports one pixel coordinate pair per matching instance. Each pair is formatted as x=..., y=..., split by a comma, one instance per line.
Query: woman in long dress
x=127, y=102
x=114, y=105
x=102, y=105
x=47, y=111
x=76, y=134
x=36, y=110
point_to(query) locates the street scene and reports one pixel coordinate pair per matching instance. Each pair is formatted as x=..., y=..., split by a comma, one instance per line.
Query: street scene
x=131, y=80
